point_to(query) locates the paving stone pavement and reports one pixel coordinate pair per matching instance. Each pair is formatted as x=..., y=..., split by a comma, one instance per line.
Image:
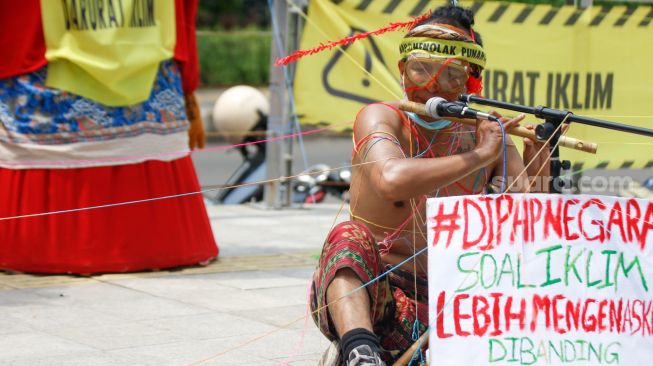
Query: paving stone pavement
x=248, y=307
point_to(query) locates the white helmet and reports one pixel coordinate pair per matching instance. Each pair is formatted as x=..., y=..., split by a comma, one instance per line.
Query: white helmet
x=237, y=111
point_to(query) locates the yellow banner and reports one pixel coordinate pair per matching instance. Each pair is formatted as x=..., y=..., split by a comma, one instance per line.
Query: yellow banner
x=105, y=50
x=592, y=62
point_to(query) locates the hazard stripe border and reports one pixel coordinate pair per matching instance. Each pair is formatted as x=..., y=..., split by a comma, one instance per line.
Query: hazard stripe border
x=525, y=16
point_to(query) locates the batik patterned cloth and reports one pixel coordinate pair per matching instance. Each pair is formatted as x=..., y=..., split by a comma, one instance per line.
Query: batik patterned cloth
x=33, y=113
x=399, y=313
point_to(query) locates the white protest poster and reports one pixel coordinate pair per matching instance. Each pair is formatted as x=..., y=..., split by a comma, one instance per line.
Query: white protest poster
x=540, y=279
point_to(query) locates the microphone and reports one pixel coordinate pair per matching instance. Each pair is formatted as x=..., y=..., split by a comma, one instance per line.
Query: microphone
x=437, y=107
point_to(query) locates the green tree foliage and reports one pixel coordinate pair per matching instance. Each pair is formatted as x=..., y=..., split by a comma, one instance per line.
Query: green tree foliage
x=230, y=58
x=232, y=14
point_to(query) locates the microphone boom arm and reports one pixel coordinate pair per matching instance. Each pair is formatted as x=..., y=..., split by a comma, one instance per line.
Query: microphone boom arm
x=548, y=113
x=564, y=141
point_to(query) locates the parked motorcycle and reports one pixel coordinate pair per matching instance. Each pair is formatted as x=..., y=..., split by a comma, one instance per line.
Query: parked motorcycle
x=319, y=181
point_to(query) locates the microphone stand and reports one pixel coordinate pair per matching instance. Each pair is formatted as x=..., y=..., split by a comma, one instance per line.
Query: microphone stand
x=553, y=118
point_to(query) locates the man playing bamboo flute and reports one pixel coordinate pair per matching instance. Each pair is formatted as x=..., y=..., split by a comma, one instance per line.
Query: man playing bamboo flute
x=400, y=160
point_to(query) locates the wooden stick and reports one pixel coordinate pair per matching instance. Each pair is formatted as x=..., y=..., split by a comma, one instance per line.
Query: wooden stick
x=564, y=141
x=408, y=354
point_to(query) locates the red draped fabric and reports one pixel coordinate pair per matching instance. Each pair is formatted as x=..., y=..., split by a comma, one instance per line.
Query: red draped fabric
x=148, y=235
x=22, y=45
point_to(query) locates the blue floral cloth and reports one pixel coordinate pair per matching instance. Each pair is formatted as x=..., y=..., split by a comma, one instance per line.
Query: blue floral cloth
x=30, y=112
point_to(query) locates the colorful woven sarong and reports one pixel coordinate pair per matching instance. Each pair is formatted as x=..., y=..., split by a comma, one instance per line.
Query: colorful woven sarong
x=399, y=313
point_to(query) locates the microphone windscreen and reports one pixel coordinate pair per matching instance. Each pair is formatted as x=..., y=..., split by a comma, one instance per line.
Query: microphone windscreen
x=432, y=106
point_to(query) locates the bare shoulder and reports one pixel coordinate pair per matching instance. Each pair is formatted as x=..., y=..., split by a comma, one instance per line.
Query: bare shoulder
x=378, y=117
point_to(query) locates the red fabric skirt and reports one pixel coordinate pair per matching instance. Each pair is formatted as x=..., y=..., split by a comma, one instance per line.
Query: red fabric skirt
x=148, y=235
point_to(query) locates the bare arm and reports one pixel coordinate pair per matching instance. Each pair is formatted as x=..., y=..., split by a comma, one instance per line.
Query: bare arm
x=396, y=177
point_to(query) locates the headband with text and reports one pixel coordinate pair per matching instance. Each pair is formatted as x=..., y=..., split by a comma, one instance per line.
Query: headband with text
x=470, y=52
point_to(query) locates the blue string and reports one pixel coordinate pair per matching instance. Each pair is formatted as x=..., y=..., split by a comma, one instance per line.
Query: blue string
x=428, y=147
x=415, y=336
x=293, y=110
x=416, y=329
x=417, y=352
x=392, y=269
x=503, y=134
